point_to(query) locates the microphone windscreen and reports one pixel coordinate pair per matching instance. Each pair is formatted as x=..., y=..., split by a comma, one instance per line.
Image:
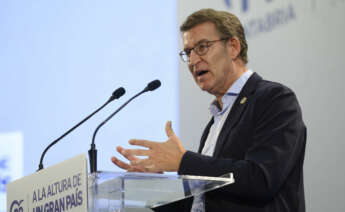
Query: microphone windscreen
x=118, y=93
x=154, y=85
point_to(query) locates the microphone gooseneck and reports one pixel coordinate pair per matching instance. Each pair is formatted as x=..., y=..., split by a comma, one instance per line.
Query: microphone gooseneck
x=115, y=95
x=93, y=151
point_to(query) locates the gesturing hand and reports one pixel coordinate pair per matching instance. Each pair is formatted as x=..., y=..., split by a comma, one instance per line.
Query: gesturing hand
x=161, y=156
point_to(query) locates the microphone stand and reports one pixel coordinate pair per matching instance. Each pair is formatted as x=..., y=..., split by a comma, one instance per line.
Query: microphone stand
x=116, y=94
x=93, y=151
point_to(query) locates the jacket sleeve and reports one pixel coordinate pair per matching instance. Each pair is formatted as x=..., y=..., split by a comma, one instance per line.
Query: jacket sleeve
x=278, y=142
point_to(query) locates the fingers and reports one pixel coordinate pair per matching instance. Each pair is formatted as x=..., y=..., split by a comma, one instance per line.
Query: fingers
x=145, y=166
x=144, y=143
x=168, y=129
x=123, y=153
x=142, y=163
x=120, y=163
x=133, y=169
x=136, y=166
x=131, y=154
x=137, y=169
x=126, y=166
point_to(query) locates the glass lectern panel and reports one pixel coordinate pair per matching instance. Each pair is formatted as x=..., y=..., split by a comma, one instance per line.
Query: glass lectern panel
x=116, y=191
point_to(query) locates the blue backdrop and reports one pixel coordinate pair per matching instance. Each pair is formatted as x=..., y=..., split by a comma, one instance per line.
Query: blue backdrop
x=60, y=60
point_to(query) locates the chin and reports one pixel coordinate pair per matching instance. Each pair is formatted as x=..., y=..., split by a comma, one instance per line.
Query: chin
x=205, y=88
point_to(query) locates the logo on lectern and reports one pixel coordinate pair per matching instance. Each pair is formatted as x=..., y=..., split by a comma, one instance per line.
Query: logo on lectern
x=16, y=206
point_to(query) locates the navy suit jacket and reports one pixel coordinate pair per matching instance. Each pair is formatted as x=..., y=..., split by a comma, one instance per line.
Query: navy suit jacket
x=262, y=143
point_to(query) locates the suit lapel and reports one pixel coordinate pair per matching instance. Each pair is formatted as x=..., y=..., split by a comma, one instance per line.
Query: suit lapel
x=204, y=135
x=237, y=110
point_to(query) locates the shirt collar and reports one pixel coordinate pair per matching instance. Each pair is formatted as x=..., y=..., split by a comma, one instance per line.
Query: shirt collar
x=231, y=94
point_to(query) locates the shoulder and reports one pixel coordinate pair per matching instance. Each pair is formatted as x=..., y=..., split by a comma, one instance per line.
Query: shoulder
x=270, y=89
x=264, y=93
x=258, y=87
x=270, y=98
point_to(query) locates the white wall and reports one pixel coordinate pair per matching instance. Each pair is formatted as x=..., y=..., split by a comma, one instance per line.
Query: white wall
x=304, y=49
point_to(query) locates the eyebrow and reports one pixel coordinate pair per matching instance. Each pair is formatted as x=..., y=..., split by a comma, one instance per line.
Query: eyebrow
x=200, y=41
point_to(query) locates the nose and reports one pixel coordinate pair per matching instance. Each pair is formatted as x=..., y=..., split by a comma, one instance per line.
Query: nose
x=193, y=58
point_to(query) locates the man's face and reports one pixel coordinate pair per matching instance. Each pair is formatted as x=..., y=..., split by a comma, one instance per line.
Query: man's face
x=212, y=71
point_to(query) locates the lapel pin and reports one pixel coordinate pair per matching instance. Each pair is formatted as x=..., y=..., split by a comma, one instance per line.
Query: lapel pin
x=243, y=100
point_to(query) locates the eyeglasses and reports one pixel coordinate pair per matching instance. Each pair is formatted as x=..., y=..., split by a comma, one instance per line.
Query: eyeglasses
x=200, y=49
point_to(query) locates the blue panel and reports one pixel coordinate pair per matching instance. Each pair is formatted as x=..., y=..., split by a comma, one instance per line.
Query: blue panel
x=244, y=5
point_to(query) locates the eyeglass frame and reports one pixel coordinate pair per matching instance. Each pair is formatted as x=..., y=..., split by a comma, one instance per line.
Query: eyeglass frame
x=183, y=53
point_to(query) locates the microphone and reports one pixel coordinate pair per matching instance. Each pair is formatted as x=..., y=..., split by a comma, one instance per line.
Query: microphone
x=93, y=151
x=115, y=95
x=152, y=86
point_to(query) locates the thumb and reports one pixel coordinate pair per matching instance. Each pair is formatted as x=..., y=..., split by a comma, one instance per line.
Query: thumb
x=168, y=129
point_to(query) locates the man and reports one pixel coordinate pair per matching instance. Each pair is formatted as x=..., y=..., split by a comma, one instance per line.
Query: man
x=256, y=132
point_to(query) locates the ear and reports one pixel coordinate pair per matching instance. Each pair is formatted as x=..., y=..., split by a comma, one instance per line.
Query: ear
x=235, y=46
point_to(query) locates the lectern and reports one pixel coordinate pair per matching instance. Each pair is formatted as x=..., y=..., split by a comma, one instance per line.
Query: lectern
x=66, y=187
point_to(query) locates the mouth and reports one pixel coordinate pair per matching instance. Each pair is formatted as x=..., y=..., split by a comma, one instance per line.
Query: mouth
x=201, y=72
